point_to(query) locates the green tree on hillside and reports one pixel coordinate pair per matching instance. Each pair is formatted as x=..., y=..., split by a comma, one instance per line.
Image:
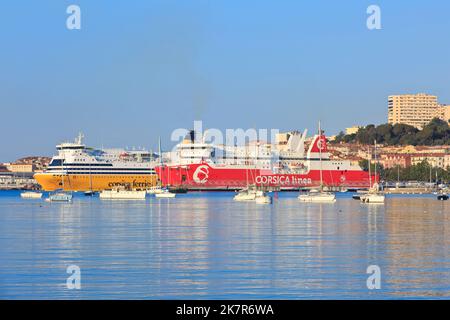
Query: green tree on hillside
x=437, y=132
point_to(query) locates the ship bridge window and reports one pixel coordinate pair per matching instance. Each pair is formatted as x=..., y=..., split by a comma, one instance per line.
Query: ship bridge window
x=69, y=148
x=56, y=162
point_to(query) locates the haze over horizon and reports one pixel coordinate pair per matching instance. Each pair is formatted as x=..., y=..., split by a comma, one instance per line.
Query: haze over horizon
x=137, y=71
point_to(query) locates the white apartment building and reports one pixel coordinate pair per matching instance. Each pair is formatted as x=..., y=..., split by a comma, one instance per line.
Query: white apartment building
x=415, y=109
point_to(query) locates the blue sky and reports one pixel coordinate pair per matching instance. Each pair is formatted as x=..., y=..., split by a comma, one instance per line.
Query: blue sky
x=140, y=69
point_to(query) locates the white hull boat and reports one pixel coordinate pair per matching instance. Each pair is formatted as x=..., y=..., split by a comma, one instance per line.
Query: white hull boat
x=31, y=195
x=165, y=194
x=374, y=195
x=262, y=198
x=318, y=197
x=59, y=197
x=245, y=195
x=372, y=198
x=122, y=195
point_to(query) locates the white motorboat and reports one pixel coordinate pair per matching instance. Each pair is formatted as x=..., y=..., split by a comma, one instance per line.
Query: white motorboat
x=31, y=195
x=60, y=196
x=165, y=193
x=120, y=194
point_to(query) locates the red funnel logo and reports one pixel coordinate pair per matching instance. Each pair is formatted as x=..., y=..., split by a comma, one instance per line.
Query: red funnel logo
x=320, y=144
x=201, y=174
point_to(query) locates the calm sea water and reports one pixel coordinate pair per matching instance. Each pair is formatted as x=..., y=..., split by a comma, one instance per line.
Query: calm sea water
x=206, y=246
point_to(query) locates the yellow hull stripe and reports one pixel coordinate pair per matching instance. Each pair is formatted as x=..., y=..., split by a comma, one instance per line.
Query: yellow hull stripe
x=96, y=182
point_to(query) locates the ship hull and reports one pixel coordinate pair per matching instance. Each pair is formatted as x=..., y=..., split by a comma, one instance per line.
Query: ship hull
x=203, y=176
x=80, y=182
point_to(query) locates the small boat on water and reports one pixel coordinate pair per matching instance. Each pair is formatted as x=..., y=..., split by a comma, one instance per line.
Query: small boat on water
x=358, y=194
x=60, y=196
x=31, y=195
x=121, y=194
x=159, y=191
x=90, y=193
x=165, y=193
x=262, y=197
x=372, y=197
x=247, y=194
x=253, y=194
x=317, y=196
x=442, y=197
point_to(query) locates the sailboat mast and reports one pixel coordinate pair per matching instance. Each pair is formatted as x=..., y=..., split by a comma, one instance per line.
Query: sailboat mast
x=246, y=165
x=256, y=161
x=160, y=159
x=376, y=163
x=159, y=150
x=320, y=157
x=369, y=158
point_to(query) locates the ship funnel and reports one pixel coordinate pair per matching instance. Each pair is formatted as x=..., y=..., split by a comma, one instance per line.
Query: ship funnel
x=318, y=146
x=189, y=137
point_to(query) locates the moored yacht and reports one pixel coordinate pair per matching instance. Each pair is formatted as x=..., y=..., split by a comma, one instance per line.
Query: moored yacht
x=374, y=195
x=31, y=195
x=246, y=194
x=121, y=194
x=318, y=195
x=165, y=193
x=262, y=197
x=60, y=196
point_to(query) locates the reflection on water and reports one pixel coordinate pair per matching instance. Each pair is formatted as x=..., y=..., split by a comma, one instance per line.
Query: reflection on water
x=205, y=245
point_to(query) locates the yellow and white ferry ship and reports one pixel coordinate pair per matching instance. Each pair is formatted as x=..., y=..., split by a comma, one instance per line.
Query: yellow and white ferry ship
x=80, y=168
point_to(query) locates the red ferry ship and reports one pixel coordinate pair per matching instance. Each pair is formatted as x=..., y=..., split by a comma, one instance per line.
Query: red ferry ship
x=196, y=165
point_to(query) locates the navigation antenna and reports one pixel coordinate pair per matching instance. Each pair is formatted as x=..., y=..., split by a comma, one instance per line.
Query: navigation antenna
x=79, y=139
